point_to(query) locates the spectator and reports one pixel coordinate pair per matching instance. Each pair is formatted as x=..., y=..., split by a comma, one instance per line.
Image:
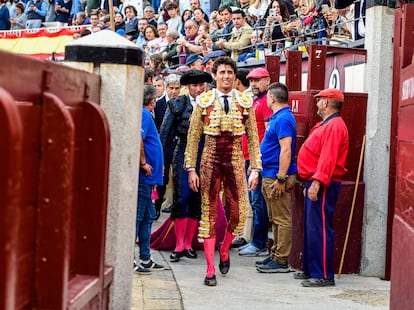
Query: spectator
x=131, y=23
x=258, y=9
x=150, y=175
x=170, y=54
x=321, y=163
x=175, y=20
x=81, y=19
x=161, y=42
x=119, y=21
x=199, y=17
x=62, y=9
x=187, y=14
x=240, y=37
x=50, y=11
x=142, y=25
x=149, y=76
x=156, y=63
x=193, y=62
x=226, y=15
x=138, y=6
x=151, y=43
x=35, y=12
x=216, y=119
x=4, y=16
x=208, y=61
x=19, y=21
x=12, y=8
x=274, y=29
x=150, y=16
x=250, y=55
x=279, y=177
x=187, y=44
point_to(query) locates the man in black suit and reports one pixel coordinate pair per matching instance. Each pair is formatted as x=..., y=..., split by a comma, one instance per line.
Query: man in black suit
x=173, y=87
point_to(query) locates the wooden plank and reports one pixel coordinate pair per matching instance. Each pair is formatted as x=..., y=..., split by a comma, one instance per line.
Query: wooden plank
x=11, y=140
x=54, y=205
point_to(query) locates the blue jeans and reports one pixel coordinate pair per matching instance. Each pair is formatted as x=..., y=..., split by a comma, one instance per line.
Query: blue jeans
x=260, y=217
x=145, y=217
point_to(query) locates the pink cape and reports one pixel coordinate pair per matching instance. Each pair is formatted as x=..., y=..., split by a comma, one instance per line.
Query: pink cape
x=164, y=237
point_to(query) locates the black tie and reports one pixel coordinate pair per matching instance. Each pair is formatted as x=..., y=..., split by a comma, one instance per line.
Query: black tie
x=226, y=104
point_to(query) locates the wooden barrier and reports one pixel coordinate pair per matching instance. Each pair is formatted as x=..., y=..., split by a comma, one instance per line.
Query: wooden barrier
x=58, y=222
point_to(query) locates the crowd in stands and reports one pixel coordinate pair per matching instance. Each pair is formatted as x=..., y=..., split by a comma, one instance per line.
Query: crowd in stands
x=170, y=30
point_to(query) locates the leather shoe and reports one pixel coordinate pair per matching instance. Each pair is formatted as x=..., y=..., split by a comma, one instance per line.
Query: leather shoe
x=312, y=282
x=175, y=256
x=224, y=266
x=301, y=275
x=210, y=281
x=190, y=253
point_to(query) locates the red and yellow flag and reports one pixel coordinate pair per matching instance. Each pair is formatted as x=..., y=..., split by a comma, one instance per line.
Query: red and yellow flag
x=41, y=43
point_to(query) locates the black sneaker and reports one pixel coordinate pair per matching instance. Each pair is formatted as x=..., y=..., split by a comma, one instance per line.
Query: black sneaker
x=140, y=269
x=312, y=282
x=151, y=265
x=301, y=275
x=273, y=267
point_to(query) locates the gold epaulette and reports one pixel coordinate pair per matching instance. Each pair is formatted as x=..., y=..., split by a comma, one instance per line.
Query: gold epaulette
x=206, y=99
x=244, y=100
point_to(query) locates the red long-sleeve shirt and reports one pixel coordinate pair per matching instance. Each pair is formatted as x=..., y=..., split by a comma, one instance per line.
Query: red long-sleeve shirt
x=323, y=155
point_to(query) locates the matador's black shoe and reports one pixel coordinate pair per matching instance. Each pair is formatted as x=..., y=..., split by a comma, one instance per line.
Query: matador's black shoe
x=190, y=253
x=175, y=256
x=210, y=281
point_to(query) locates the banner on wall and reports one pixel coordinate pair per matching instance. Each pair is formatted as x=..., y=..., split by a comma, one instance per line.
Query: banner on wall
x=40, y=43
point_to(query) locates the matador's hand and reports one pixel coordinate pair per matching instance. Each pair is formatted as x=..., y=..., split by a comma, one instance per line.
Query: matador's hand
x=193, y=180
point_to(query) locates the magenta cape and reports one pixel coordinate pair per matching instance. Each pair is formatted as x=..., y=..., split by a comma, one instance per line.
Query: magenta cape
x=164, y=237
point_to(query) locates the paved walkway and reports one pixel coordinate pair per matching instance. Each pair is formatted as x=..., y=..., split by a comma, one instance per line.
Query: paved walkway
x=243, y=287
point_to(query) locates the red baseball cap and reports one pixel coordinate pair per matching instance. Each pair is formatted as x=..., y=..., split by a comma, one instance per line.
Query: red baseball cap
x=258, y=73
x=331, y=93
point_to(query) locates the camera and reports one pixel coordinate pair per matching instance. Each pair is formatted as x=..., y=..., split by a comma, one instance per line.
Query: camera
x=272, y=12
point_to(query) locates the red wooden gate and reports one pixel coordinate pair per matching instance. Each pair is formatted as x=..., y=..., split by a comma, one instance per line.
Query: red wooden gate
x=55, y=147
x=402, y=266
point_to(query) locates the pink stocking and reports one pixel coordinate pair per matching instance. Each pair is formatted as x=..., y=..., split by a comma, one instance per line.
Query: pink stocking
x=179, y=228
x=209, y=248
x=192, y=225
x=224, y=249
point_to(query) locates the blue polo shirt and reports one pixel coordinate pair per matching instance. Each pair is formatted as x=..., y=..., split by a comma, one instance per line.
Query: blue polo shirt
x=281, y=124
x=153, y=150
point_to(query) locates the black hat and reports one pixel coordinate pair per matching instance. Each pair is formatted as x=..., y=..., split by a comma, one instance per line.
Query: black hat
x=195, y=77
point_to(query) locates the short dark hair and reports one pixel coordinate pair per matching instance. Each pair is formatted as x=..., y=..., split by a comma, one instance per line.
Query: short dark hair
x=149, y=74
x=238, y=11
x=150, y=93
x=279, y=91
x=224, y=60
x=225, y=7
x=241, y=76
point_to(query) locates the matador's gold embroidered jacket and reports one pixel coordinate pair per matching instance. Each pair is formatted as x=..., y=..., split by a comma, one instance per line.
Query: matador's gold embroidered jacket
x=209, y=118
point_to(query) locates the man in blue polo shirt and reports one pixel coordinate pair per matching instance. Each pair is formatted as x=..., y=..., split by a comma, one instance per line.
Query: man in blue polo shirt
x=279, y=177
x=150, y=174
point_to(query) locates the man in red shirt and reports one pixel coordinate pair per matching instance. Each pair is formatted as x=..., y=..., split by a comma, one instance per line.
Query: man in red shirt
x=321, y=163
x=259, y=82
